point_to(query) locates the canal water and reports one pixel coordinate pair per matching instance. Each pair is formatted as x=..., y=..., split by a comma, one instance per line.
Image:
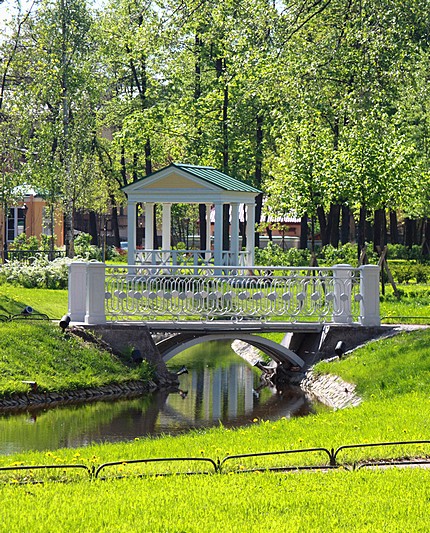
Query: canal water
x=219, y=388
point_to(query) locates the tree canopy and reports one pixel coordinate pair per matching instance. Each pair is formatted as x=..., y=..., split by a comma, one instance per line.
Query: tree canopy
x=324, y=105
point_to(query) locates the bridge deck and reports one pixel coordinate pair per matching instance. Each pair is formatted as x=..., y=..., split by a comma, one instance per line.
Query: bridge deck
x=247, y=326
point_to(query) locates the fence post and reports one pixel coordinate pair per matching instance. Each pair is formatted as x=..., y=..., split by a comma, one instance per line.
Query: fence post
x=342, y=278
x=95, y=305
x=77, y=294
x=369, y=290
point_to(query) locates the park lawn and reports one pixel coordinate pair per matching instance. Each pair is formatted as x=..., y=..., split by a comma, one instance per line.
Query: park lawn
x=393, y=500
x=13, y=299
x=393, y=378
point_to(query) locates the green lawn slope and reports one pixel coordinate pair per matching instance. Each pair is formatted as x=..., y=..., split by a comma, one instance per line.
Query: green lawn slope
x=393, y=378
x=39, y=351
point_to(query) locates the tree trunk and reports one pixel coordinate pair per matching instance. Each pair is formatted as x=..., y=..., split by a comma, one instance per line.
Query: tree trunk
x=323, y=225
x=123, y=166
x=345, y=227
x=202, y=226
x=368, y=232
x=197, y=95
x=425, y=247
x=304, y=230
x=115, y=225
x=379, y=229
x=394, y=230
x=226, y=227
x=258, y=174
x=258, y=209
x=361, y=229
x=410, y=232
x=334, y=218
x=93, y=228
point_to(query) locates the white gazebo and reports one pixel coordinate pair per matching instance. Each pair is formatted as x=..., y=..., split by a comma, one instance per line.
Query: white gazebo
x=190, y=184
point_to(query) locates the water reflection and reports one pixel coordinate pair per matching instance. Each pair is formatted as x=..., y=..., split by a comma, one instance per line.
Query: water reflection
x=219, y=387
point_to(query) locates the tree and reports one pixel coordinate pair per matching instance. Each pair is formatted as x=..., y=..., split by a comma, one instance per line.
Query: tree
x=60, y=98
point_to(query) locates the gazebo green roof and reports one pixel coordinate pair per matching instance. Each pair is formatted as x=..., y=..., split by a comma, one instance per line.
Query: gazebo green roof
x=209, y=175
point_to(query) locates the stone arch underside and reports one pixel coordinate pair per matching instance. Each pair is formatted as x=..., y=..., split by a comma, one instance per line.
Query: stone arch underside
x=177, y=344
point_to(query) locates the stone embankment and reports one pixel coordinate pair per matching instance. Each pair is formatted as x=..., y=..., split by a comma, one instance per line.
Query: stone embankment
x=330, y=390
x=325, y=388
x=36, y=399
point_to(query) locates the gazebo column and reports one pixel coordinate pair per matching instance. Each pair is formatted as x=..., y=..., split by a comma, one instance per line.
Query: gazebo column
x=166, y=230
x=149, y=229
x=208, y=231
x=218, y=233
x=250, y=232
x=234, y=246
x=131, y=232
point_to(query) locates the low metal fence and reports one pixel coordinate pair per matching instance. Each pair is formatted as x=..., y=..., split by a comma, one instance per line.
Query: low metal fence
x=118, y=469
x=29, y=256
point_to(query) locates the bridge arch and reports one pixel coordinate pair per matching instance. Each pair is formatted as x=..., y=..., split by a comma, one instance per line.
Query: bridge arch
x=275, y=351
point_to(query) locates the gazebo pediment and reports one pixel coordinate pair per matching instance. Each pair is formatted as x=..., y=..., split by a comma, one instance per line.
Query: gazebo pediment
x=176, y=181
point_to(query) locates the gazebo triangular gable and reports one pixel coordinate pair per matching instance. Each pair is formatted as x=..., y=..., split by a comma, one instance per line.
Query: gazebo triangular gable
x=191, y=184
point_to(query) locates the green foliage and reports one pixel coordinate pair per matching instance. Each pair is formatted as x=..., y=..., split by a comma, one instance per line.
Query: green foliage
x=22, y=242
x=274, y=255
x=86, y=250
x=407, y=272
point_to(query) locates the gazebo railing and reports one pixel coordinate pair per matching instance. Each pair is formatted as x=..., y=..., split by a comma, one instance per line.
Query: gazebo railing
x=188, y=257
x=340, y=294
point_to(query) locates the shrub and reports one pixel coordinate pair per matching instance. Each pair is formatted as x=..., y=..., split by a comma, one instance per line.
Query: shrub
x=22, y=242
x=42, y=274
x=407, y=272
x=399, y=251
x=86, y=250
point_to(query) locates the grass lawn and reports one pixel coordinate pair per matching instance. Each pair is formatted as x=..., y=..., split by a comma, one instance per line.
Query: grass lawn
x=392, y=376
x=40, y=352
x=391, y=501
x=14, y=299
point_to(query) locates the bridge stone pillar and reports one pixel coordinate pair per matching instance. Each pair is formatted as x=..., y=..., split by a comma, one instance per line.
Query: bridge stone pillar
x=77, y=293
x=95, y=307
x=342, y=278
x=369, y=290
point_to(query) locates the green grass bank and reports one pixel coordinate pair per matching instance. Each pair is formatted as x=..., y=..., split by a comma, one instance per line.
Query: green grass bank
x=37, y=350
x=394, y=408
x=392, y=376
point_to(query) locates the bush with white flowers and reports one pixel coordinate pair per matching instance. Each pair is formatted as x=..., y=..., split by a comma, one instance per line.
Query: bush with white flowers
x=41, y=273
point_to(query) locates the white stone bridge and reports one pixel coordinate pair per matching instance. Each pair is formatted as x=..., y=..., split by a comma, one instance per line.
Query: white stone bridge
x=202, y=303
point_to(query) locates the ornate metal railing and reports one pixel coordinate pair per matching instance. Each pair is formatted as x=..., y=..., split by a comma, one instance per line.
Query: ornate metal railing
x=209, y=293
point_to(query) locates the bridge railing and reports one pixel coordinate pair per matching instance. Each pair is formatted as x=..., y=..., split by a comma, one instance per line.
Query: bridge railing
x=340, y=294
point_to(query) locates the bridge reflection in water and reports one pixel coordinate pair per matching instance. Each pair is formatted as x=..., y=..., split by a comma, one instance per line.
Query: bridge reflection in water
x=223, y=388
x=220, y=387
